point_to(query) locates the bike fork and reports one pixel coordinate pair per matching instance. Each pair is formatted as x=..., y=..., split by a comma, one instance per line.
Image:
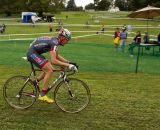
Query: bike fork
x=69, y=89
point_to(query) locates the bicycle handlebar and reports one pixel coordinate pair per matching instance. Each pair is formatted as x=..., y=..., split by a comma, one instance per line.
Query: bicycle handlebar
x=62, y=69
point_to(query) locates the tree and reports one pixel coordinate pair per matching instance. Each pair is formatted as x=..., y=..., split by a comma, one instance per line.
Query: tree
x=11, y=6
x=96, y=2
x=80, y=8
x=123, y=4
x=71, y=5
x=133, y=5
x=90, y=6
x=40, y=6
x=153, y=2
x=103, y=5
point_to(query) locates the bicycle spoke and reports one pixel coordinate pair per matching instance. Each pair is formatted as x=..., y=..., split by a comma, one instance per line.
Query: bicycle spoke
x=72, y=97
x=19, y=92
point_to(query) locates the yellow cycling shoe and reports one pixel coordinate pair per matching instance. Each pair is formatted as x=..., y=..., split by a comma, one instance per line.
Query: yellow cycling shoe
x=46, y=99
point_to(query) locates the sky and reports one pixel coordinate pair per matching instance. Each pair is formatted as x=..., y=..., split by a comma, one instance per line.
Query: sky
x=83, y=2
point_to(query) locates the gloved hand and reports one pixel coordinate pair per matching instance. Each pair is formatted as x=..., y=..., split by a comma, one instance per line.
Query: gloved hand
x=73, y=63
x=73, y=67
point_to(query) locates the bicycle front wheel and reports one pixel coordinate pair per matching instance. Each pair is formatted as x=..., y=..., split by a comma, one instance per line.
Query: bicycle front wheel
x=72, y=96
x=19, y=92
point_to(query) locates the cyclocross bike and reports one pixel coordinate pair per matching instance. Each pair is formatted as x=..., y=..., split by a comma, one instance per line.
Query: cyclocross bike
x=70, y=94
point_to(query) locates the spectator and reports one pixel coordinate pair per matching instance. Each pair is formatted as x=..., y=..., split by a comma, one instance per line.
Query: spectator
x=129, y=29
x=146, y=38
x=50, y=28
x=53, y=18
x=102, y=29
x=2, y=28
x=158, y=38
x=60, y=23
x=116, y=38
x=87, y=24
x=125, y=26
x=123, y=37
x=136, y=42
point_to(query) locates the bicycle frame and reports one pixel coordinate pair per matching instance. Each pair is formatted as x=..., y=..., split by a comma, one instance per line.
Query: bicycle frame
x=62, y=76
x=24, y=95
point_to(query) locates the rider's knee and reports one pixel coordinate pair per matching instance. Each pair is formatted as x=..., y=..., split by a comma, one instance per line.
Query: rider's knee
x=49, y=71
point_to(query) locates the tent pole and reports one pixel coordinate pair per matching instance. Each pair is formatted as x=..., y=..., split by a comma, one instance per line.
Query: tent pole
x=137, y=58
x=147, y=24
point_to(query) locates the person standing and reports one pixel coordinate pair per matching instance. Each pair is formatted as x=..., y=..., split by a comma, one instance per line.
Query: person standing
x=136, y=42
x=123, y=37
x=50, y=28
x=146, y=38
x=102, y=29
x=158, y=38
x=129, y=29
x=116, y=38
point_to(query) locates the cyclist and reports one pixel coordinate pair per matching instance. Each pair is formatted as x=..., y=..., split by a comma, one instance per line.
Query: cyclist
x=49, y=44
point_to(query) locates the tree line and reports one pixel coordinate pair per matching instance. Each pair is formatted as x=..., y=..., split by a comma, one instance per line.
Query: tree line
x=16, y=6
x=124, y=5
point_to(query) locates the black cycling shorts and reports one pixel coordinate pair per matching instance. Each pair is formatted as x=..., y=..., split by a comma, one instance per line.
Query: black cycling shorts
x=36, y=59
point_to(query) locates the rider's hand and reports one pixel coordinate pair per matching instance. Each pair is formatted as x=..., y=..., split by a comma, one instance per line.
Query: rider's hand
x=73, y=67
x=73, y=63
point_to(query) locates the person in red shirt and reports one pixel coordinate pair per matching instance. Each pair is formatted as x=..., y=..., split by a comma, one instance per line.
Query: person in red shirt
x=116, y=38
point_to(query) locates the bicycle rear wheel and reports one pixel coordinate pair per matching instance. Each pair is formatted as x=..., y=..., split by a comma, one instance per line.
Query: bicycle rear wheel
x=73, y=96
x=19, y=92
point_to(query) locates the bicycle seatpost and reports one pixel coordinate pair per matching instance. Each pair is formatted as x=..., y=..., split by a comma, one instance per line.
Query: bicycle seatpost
x=33, y=70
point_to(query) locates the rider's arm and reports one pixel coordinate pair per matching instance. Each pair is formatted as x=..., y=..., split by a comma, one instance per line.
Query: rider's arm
x=55, y=60
x=59, y=57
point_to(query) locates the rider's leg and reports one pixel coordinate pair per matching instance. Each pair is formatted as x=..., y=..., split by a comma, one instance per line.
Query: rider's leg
x=48, y=70
x=41, y=76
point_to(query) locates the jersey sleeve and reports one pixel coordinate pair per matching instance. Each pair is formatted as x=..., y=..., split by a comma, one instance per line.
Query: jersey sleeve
x=32, y=43
x=54, y=48
x=54, y=45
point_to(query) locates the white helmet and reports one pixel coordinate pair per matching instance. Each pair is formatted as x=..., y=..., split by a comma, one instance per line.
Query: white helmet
x=66, y=33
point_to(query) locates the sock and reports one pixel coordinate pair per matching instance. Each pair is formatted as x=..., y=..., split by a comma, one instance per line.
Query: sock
x=43, y=92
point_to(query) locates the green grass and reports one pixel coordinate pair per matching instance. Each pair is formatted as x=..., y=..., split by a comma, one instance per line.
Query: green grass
x=90, y=56
x=122, y=104
x=120, y=99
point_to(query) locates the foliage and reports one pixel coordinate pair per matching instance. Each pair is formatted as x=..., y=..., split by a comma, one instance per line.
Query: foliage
x=40, y=6
x=135, y=4
x=123, y=5
x=11, y=6
x=103, y=5
x=71, y=5
x=16, y=6
x=90, y=6
x=96, y=2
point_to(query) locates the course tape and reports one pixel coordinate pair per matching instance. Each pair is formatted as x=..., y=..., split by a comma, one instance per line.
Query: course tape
x=81, y=36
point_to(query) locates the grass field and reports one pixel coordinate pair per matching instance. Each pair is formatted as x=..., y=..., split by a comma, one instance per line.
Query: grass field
x=121, y=99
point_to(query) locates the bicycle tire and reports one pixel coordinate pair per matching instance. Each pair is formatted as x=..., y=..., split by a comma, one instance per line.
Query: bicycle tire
x=19, y=93
x=77, y=102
